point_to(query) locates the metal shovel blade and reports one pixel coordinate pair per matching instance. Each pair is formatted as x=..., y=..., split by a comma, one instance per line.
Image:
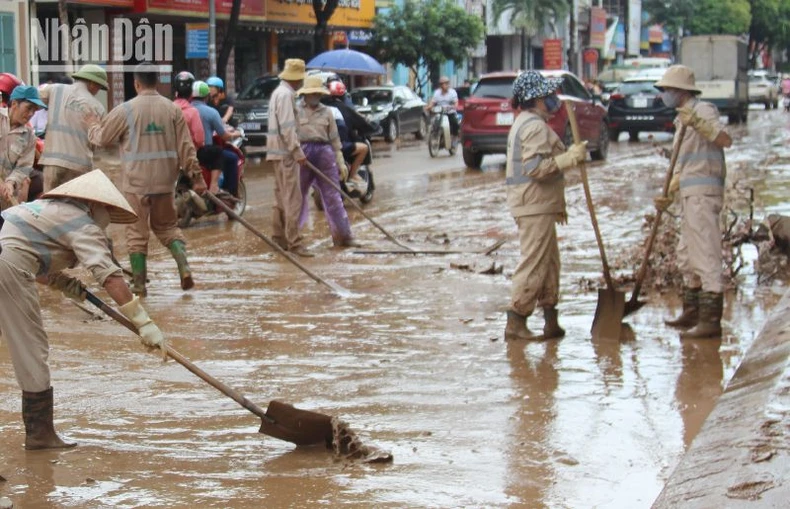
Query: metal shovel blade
x=608, y=314
x=632, y=306
x=300, y=427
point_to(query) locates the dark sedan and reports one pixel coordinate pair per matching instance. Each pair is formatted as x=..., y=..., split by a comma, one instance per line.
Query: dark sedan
x=636, y=106
x=397, y=109
x=252, y=109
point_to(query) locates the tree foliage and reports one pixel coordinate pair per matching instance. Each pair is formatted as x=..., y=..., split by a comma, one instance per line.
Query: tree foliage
x=323, y=9
x=529, y=17
x=422, y=35
x=701, y=16
x=770, y=26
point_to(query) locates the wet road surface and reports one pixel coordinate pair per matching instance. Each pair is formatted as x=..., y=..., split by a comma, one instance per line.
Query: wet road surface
x=414, y=359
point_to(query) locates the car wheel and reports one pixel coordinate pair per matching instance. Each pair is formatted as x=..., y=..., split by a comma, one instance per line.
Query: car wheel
x=767, y=105
x=734, y=118
x=434, y=140
x=614, y=135
x=423, y=130
x=472, y=159
x=392, y=130
x=633, y=135
x=602, y=151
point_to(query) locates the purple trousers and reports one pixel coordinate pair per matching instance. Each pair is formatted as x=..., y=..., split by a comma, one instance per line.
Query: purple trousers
x=323, y=157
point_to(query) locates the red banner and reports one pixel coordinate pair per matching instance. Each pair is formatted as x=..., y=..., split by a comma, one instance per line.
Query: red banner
x=597, y=28
x=109, y=3
x=199, y=8
x=552, y=53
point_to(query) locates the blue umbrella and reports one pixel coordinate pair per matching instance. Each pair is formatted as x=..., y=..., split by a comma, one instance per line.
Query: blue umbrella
x=347, y=61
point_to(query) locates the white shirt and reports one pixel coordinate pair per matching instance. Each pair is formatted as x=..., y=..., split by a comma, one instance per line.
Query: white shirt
x=448, y=99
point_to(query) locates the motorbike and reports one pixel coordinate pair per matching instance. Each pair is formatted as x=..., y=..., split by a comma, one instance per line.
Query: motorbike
x=191, y=205
x=439, y=136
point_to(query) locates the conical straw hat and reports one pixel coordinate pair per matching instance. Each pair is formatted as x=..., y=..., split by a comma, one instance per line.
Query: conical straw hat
x=95, y=186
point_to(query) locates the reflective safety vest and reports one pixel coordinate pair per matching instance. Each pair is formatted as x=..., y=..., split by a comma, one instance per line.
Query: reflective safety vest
x=701, y=162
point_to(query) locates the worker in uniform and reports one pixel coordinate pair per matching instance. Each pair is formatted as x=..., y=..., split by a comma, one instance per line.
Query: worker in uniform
x=67, y=152
x=39, y=239
x=699, y=178
x=283, y=147
x=156, y=143
x=536, y=162
x=17, y=144
x=321, y=145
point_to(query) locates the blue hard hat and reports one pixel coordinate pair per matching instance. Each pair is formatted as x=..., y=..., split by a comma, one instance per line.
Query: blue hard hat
x=215, y=81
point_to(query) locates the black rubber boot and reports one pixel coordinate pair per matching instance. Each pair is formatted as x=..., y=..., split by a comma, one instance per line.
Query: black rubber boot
x=709, y=325
x=552, y=327
x=179, y=251
x=690, y=315
x=516, y=327
x=39, y=428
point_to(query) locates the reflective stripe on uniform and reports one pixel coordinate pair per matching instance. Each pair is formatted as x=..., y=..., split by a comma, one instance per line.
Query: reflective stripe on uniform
x=695, y=157
x=526, y=166
x=701, y=181
x=54, y=125
x=70, y=157
x=134, y=153
x=150, y=156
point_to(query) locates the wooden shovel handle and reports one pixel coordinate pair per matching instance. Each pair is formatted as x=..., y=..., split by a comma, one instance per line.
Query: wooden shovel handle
x=179, y=358
x=640, y=277
x=583, y=169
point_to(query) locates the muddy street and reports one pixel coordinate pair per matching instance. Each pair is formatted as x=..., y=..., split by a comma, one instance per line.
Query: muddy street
x=414, y=359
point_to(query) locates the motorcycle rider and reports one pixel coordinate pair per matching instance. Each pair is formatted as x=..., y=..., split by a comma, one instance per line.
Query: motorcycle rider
x=350, y=126
x=184, y=81
x=8, y=82
x=447, y=98
x=220, y=100
x=212, y=156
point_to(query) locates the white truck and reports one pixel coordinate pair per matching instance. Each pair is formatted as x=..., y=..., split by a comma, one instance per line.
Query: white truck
x=720, y=64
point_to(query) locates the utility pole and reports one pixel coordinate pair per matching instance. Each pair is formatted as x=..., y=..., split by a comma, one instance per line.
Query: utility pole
x=212, y=37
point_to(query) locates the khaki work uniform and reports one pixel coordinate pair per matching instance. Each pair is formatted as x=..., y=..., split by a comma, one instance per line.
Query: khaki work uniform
x=155, y=143
x=702, y=172
x=536, y=199
x=282, y=146
x=40, y=238
x=17, y=151
x=67, y=151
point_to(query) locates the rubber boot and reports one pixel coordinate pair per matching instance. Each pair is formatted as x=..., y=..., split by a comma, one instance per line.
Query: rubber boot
x=690, y=315
x=709, y=324
x=552, y=327
x=516, y=327
x=39, y=428
x=139, y=274
x=179, y=251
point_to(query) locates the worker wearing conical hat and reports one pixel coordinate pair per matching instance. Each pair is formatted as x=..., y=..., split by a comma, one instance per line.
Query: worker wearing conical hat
x=39, y=239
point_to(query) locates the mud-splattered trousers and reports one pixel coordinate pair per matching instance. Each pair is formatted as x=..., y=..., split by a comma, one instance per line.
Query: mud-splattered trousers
x=322, y=156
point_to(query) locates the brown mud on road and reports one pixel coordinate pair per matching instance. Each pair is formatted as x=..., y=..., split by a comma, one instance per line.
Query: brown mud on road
x=413, y=360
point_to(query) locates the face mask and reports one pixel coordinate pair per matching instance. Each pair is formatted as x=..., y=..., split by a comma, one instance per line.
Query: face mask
x=552, y=103
x=100, y=215
x=312, y=101
x=671, y=98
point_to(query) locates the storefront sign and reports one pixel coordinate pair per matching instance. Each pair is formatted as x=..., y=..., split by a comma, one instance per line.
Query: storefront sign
x=250, y=9
x=110, y=3
x=590, y=56
x=656, y=34
x=359, y=37
x=597, y=28
x=349, y=13
x=197, y=40
x=552, y=53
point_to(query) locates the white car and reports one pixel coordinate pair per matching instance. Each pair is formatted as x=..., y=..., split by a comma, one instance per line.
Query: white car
x=763, y=89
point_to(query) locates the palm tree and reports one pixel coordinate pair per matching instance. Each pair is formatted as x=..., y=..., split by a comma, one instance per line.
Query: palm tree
x=529, y=17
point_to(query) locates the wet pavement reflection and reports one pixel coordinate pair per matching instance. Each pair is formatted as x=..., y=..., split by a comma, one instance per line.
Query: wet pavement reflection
x=414, y=359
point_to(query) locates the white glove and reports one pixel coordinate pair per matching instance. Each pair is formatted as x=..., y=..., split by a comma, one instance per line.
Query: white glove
x=574, y=156
x=150, y=335
x=341, y=166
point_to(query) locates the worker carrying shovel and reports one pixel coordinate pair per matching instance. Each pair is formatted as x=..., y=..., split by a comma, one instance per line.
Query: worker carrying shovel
x=536, y=162
x=699, y=176
x=39, y=239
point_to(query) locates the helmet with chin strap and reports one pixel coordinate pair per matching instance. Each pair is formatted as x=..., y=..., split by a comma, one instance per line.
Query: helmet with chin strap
x=8, y=82
x=216, y=81
x=184, y=82
x=337, y=89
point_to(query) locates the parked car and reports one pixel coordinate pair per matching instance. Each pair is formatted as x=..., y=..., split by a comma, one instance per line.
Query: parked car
x=488, y=116
x=396, y=109
x=251, y=111
x=763, y=89
x=637, y=106
x=463, y=93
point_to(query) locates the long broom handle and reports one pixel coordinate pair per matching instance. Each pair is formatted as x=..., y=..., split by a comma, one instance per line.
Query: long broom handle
x=640, y=277
x=583, y=169
x=333, y=286
x=355, y=205
x=179, y=358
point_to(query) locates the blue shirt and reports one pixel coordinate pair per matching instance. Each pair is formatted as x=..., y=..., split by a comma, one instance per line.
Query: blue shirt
x=212, y=122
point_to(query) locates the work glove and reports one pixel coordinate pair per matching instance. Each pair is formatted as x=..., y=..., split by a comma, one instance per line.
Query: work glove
x=689, y=117
x=573, y=157
x=341, y=166
x=150, y=335
x=69, y=285
x=674, y=185
x=662, y=203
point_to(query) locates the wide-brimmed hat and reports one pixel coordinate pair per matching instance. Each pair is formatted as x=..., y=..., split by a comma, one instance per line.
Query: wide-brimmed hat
x=27, y=93
x=678, y=76
x=313, y=85
x=95, y=186
x=94, y=73
x=533, y=85
x=294, y=70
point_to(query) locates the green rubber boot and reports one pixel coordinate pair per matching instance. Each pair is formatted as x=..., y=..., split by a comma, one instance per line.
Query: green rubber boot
x=179, y=252
x=139, y=274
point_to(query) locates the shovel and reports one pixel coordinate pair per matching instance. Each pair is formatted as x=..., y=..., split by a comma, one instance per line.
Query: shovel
x=634, y=304
x=611, y=303
x=280, y=420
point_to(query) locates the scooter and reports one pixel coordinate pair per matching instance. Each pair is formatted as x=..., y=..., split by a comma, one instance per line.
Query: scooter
x=191, y=205
x=439, y=136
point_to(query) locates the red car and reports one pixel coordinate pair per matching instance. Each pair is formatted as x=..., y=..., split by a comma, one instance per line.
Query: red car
x=488, y=116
